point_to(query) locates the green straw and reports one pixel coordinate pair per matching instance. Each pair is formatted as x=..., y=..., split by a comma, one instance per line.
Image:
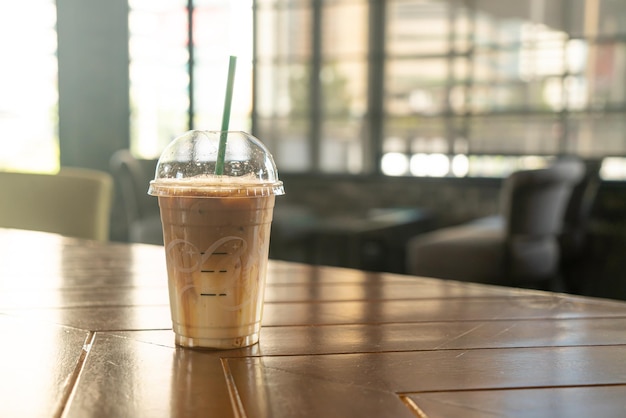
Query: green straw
x=221, y=152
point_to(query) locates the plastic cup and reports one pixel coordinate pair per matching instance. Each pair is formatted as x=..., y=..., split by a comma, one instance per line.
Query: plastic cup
x=216, y=232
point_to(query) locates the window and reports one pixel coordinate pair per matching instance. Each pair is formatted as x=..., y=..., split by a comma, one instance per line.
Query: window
x=312, y=83
x=439, y=88
x=222, y=28
x=28, y=86
x=158, y=74
x=284, y=44
x=179, y=53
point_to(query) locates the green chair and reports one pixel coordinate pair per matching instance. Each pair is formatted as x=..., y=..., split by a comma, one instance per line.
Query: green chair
x=74, y=202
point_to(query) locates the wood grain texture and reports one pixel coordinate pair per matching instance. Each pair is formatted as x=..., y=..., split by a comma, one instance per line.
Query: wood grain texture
x=87, y=333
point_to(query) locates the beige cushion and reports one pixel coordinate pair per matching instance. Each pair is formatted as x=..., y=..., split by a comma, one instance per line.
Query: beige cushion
x=75, y=202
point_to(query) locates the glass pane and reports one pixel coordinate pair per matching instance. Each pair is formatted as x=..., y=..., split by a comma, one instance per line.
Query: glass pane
x=519, y=79
x=341, y=40
x=283, y=90
x=417, y=135
x=287, y=141
x=344, y=92
x=503, y=165
x=592, y=18
x=460, y=81
x=496, y=64
x=419, y=147
x=343, y=81
x=499, y=77
x=542, y=53
x=492, y=25
x=613, y=168
x=514, y=135
x=282, y=81
x=462, y=28
x=597, y=136
x=418, y=27
x=543, y=94
x=222, y=28
x=341, y=148
x=283, y=32
x=28, y=86
x=416, y=86
x=159, y=83
x=497, y=84
x=606, y=67
x=282, y=3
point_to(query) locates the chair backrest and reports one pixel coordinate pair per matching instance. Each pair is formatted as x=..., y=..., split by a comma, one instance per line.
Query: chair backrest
x=74, y=202
x=132, y=178
x=579, y=210
x=534, y=201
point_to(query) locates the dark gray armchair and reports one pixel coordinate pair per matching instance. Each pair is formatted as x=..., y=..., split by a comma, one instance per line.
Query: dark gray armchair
x=519, y=247
x=141, y=210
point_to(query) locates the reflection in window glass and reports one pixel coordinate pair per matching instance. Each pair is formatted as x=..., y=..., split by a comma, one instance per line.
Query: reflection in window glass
x=28, y=86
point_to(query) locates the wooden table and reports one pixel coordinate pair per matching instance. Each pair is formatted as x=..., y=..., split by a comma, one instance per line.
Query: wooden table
x=86, y=333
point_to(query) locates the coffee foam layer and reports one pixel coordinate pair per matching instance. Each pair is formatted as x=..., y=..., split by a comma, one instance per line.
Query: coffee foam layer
x=210, y=185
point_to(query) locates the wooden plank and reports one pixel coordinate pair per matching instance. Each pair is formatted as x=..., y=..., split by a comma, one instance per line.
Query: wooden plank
x=357, y=338
x=39, y=365
x=127, y=378
x=464, y=309
x=363, y=378
x=122, y=317
x=570, y=402
x=383, y=290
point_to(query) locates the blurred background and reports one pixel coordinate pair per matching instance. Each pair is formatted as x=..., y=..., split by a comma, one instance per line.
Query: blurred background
x=386, y=118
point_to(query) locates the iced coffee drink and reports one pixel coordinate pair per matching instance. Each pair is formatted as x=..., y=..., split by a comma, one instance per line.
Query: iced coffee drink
x=216, y=231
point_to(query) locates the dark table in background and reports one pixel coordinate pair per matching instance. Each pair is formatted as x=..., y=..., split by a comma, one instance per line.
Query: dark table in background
x=86, y=333
x=373, y=239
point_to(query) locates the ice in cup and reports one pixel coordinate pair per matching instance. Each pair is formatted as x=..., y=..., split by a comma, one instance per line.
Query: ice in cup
x=216, y=232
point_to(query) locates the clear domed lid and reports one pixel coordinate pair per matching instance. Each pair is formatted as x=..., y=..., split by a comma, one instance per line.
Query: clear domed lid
x=187, y=167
